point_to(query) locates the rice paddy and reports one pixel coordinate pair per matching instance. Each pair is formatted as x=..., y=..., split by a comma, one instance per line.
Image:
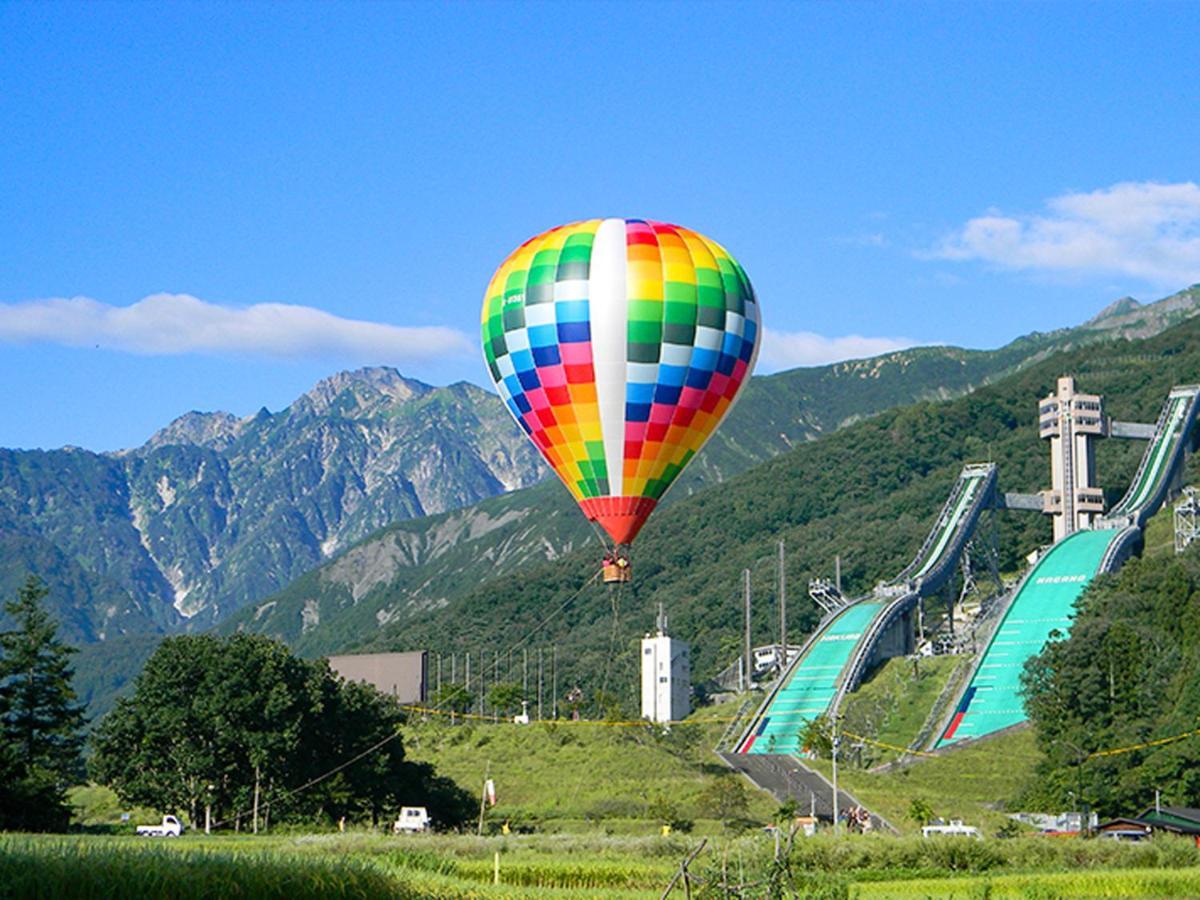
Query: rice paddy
x=366, y=865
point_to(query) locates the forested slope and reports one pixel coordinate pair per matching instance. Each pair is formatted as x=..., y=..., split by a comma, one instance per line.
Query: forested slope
x=1128, y=674
x=868, y=492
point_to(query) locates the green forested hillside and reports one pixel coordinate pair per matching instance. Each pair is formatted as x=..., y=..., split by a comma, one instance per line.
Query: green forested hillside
x=1128, y=674
x=779, y=411
x=420, y=564
x=868, y=492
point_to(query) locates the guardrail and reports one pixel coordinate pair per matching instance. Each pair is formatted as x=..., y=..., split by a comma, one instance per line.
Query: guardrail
x=732, y=727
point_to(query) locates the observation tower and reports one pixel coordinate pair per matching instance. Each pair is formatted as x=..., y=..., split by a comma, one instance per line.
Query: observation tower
x=1071, y=422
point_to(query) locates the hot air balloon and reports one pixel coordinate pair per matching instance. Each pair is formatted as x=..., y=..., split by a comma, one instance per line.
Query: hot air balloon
x=618, y=345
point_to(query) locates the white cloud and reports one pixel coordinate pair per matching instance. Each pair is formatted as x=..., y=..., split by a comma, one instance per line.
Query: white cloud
x=789, y=349
x=175, y=324
x=1146, y=230
x=866, y=239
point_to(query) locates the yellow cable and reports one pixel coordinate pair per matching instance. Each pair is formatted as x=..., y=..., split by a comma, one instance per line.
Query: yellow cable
x=638, y=723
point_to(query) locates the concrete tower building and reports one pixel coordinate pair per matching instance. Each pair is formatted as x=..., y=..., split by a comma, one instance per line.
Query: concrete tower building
x=1071, y=421
x=666, y=676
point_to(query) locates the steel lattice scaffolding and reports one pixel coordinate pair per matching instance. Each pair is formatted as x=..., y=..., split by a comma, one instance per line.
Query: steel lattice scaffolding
x=1186, y=512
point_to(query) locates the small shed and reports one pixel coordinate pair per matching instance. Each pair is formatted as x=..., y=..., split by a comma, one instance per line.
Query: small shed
x=1175, y=819
x=402, y=675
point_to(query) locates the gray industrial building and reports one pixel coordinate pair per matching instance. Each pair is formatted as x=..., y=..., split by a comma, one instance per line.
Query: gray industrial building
x=400, y=675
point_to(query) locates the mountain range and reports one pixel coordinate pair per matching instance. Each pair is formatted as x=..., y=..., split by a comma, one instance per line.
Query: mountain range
x=215, y=511
x=266, y=522
x=414, y=567
x=868, y=493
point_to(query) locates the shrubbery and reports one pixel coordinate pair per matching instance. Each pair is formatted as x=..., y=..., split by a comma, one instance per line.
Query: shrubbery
x=215, y=722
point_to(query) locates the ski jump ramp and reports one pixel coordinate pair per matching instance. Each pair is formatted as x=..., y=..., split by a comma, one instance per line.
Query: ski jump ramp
x=847, y=642
x=1044, y=603
x=836, y=655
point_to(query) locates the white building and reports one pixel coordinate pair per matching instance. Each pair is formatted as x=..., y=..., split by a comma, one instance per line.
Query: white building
x=666, y=676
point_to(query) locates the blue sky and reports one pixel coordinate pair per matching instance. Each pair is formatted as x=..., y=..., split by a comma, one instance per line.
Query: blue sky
x=300, y=189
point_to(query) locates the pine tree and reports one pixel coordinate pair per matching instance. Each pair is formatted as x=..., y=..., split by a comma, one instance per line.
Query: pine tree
x=41, y=721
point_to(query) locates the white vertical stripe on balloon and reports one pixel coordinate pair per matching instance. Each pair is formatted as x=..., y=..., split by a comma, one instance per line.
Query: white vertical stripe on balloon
x=608, y=314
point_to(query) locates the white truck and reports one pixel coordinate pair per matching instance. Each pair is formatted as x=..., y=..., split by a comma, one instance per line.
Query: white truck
x=956, y=828
x=412, y=818
x=170, y=827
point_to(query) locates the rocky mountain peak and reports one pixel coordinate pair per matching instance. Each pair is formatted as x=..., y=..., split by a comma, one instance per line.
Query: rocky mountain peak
x=1116, y=308
x=215, y=430
x=1132, y=319
x=364, y=388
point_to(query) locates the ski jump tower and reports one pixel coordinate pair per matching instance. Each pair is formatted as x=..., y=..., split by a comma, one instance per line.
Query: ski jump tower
x=1071, y=422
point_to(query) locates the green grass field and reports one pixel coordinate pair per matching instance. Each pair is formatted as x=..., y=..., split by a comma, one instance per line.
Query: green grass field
x=1158, y=539
x=94, y=806
x=1048, y=885
x=572, y=776
x=893, y=704
x=969, y=783
x=365, y=865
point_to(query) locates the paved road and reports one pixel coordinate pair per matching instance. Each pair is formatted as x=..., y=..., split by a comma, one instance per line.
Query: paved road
x=785, y=777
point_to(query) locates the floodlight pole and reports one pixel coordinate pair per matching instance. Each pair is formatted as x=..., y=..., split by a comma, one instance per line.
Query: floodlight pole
x=747, y=680
x=782, y=612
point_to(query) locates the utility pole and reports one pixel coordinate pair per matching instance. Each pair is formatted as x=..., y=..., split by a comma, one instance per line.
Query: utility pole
x=483, y=794
x=782, y=612
x=746, y=669
x=950, y=600
x=525, y=672
x=554, y=680
x=837, y=739
x=482, y=684
x=256, y=782
x=539, y=697
x=454, y=668
x=837, y=572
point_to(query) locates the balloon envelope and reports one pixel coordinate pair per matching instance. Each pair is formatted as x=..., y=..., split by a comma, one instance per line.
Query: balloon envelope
x=618, y=345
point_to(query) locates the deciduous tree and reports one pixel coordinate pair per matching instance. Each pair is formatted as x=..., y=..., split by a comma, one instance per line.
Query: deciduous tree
x=223, y=721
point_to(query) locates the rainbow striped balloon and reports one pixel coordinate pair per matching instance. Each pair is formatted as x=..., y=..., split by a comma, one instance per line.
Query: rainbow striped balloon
x=618, y=345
